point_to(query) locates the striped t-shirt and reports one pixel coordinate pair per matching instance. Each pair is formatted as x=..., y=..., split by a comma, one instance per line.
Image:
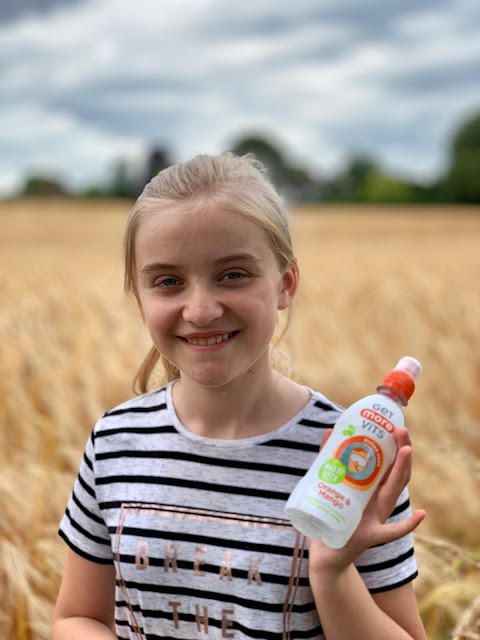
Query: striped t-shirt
x=196, y=526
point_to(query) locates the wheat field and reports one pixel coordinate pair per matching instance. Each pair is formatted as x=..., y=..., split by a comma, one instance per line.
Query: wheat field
x=376, y=284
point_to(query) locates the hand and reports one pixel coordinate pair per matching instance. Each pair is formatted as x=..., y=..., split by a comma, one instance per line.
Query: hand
x=372, y=529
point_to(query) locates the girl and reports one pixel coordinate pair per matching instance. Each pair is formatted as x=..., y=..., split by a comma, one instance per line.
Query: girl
x=176, y=523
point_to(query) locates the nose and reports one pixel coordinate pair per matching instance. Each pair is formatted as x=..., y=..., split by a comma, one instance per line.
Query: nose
x=202, y=306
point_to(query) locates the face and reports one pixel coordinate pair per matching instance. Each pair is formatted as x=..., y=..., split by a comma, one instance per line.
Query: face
x=209, y=288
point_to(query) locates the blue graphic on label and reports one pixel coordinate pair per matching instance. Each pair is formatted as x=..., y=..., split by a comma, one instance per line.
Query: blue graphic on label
x=359, y=459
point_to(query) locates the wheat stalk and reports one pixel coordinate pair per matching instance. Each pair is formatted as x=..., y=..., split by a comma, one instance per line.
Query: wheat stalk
x=373, y=288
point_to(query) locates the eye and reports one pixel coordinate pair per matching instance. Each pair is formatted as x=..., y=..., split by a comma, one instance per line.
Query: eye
x=166, y=282
x=234, y=275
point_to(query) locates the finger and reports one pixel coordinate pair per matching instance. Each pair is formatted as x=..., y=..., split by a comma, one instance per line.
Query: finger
x=402, y=466
x=402, y=460
x=402, y=437
x=326, y=435
x=396, y=530
x=396, y=481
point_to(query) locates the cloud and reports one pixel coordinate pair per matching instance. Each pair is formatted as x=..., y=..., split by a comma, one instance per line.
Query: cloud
x=89, y=81
x=13, y=10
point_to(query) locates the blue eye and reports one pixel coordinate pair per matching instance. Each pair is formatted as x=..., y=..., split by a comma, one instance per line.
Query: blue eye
x=234, y=275
x=166, y=282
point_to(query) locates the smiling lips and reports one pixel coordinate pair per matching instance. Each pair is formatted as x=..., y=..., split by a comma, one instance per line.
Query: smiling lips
x=210, y=340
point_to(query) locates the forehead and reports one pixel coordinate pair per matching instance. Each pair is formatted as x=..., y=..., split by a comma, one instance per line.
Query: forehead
x=199, y=231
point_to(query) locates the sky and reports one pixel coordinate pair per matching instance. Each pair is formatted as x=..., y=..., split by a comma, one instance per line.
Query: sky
x=84, y=83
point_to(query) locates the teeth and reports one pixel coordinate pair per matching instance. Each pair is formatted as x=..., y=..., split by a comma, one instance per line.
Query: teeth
x=209, y=341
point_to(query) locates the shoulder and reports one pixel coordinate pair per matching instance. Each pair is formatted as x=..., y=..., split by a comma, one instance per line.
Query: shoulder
x=323, y=409
x=149, y=408
x=151, y=400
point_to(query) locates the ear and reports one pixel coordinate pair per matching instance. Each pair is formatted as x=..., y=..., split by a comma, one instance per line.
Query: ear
x=289, y=285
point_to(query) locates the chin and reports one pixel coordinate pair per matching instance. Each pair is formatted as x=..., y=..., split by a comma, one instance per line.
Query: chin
x=214, y=376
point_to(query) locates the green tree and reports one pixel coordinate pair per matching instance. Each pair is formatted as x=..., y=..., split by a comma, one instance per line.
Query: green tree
x=268, y=154
x=462, y=183
x=293, y=181
x=158, y=159
x=42, y=186
x=121, y=184
x=380, y=187
x=348, y=185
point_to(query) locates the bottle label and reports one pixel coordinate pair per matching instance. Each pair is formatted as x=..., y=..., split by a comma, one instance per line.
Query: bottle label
x=356, y=462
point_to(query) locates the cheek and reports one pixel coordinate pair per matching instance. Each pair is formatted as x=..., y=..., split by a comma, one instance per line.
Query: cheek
x=156, y=315
x=256, y=304
x=267, y=300
x=262, y=310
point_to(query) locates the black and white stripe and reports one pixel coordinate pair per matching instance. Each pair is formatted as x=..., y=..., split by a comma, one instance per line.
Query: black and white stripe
x=196, y=527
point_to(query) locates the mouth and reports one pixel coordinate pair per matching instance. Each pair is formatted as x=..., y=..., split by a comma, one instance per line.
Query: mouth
x=211, y=340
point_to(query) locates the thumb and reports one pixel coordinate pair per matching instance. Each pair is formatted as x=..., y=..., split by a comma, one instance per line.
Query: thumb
x=326, y=435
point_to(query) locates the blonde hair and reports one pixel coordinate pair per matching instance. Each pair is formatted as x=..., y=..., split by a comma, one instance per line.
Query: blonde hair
x=226, y=182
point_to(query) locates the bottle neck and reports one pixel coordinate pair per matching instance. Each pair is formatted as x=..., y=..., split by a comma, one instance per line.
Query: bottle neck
x=393, y=394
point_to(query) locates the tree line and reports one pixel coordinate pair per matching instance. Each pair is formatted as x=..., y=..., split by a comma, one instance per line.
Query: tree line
x=362, y=179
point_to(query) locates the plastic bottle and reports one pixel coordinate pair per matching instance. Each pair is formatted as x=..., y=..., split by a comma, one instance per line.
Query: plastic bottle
x=328, y=502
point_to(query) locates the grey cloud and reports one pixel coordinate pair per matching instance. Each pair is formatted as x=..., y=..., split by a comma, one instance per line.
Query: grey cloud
x=382, y=138
x=115, y=87
x=130, y=105
x=373, y=18
x=117, y=118
x=447, y=78
x=12, y=10
x=368, y=19
x=184, y=88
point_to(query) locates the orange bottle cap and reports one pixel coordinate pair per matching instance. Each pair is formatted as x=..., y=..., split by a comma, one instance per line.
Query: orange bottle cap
x=403, y=377
x=401, y=382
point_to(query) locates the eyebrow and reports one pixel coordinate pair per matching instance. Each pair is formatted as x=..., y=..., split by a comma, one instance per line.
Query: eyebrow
x=239, y=257
x=157, y=266
x=154, y=267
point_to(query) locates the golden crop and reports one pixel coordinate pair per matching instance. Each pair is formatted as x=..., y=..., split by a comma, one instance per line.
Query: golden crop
x=376, y=284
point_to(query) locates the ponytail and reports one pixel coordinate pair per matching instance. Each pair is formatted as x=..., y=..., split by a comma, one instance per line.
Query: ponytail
x=145, y=373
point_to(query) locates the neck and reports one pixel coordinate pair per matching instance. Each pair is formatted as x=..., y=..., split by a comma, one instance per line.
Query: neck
x=248, y=406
